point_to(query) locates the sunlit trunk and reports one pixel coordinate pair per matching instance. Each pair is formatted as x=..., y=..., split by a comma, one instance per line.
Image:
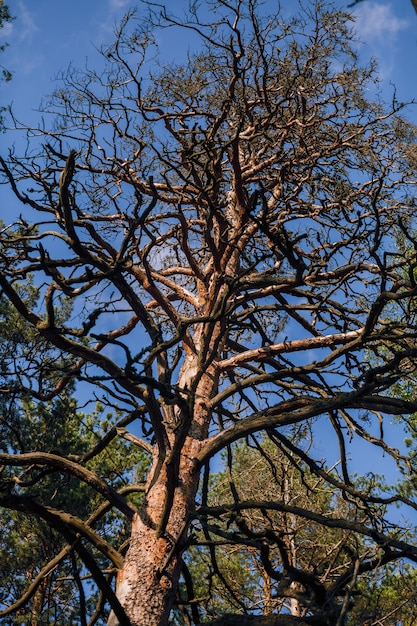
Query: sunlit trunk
x=148, y=582
x=37, y=604
x=147, y=585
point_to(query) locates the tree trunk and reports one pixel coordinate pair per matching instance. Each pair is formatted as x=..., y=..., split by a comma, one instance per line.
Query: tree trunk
x=148, y=582
x=37, y=604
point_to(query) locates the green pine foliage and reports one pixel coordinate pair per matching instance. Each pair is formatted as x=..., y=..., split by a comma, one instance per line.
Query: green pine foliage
x=65, y=595
x=261, y=471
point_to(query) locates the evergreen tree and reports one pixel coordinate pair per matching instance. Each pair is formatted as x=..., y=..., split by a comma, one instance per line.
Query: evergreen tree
x=213, y=248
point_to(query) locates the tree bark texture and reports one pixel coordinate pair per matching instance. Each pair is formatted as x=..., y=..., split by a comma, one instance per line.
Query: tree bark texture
x=152, y=564
x=153, y=561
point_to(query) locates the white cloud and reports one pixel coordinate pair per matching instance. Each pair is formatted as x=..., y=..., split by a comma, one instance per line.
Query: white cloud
x=379, y=30
x=22, y=29
x=116, y=5
x=376, y=22
x=116, y=10
x=26, y=26
x=6, y=32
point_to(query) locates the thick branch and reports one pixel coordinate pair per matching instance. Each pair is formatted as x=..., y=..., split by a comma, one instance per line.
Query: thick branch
x=326, y=521
x=266, y=620
x=299, y=410
x=296, y=345
x=69, y=467
x=61, y=521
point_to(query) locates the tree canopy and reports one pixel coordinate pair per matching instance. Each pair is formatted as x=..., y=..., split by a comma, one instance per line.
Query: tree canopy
x=219, y=251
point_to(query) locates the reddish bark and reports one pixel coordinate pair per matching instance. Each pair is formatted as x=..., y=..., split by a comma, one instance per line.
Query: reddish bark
x=152, y=565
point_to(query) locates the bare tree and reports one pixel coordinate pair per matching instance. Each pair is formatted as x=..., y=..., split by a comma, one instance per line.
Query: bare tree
x=232, y=241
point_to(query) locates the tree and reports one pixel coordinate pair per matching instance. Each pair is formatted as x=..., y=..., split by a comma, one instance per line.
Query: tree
x=223, y=236
x=33, y=549
x=261, y=471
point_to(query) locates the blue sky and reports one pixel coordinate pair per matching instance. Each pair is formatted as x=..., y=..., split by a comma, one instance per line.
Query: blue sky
x=48, y=35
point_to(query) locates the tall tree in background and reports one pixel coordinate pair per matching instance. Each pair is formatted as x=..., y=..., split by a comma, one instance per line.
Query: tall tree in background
x=222, y=236
x=35, y=549
x=265, y=471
